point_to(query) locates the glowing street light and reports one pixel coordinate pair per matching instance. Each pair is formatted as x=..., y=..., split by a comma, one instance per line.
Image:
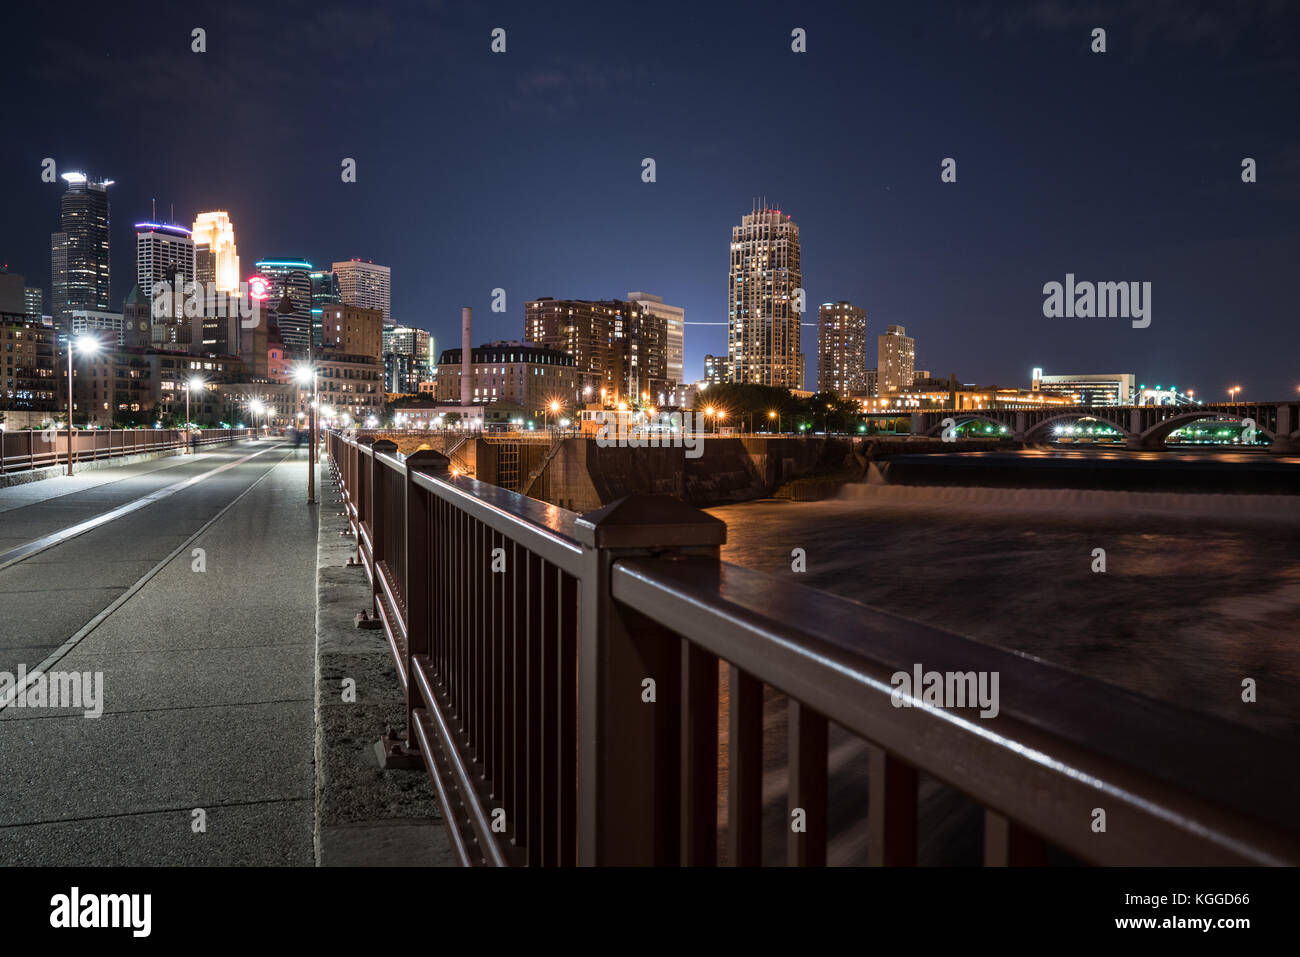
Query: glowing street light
x=193, y=383
x=87, y=345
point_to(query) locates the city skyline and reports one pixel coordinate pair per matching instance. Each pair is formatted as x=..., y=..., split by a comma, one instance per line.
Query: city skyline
x=1143, y=195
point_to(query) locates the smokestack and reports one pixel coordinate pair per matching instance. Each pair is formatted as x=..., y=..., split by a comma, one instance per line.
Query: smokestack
x=466, y=368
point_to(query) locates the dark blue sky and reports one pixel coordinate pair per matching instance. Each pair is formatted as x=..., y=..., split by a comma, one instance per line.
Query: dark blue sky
x=522, y=170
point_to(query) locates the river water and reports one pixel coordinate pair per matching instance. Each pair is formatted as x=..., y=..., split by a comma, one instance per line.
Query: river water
x=1199, y=591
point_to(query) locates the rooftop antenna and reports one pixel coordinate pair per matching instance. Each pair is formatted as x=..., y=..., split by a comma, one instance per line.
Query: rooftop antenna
x=172, y=214
x=153, y=205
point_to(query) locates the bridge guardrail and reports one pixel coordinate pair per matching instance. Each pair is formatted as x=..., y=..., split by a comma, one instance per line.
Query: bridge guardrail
x=28, y=449
x=523, y=635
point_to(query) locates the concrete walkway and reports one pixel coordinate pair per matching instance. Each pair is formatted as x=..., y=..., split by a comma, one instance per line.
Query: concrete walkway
x=204, y=751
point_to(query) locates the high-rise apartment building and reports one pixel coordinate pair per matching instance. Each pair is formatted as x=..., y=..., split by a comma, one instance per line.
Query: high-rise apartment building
x=362, y=283
x=80, y=255
x=619, y=349
x=294, y=277
x=896, y=360
x=842, y=349
x=763, y=332
x=216, y=260
x=162, y=253
x=674, y=318
x=717, y=370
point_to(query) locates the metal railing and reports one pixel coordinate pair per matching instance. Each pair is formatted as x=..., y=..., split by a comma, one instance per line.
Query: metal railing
x=36, y=448
x=525, y=635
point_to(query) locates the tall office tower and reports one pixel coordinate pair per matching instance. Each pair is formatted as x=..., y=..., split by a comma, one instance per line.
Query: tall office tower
x=896, y=360
x=675, y=319
x=79, y=252
x=215, y=258
x=34, y=301
x=842, y=349
x=362, y=283
x=163, y=252
x=762, y=291
x=324, y=292
x=292, y=276
x=873, y=383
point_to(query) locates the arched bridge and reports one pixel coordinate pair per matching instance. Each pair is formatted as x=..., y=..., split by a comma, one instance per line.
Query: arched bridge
x=1144, y=426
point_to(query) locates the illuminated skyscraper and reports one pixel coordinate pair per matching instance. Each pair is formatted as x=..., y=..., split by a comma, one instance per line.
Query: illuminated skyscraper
x=292, y=276
x=79, y=252
x=215, y=258
x=362, y=283
x=763, y=332
x=842, y=349
x=896, y=360
x=674, y=318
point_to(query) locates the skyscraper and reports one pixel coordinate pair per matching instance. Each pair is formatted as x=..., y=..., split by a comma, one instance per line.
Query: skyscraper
x=324, y=292
x=842, y=349
x=896, y=360
x=362, y=283
x=216, y=260
x=764, y=283
x=675, y=320
x=294, y=277
x=163, y=252
x=79, y=251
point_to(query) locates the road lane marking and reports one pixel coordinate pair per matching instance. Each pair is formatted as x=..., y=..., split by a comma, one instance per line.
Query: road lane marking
x=144, y=579
x=36, y=546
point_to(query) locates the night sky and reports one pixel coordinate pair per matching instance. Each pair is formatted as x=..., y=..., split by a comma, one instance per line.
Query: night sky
x=523, y=170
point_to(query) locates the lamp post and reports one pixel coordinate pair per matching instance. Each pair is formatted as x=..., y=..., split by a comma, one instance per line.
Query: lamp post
x=194, y=383
x=88, y=345
x=304, y=374
x=777, y=416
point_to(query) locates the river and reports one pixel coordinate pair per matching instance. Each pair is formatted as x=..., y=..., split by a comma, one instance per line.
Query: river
x=1199, y=592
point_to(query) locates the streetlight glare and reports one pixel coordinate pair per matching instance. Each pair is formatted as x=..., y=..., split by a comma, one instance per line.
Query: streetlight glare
x=87, y=343
x=196, y=383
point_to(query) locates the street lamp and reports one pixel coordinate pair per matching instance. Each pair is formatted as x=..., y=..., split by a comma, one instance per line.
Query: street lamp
x=257, y=408
x=194, y=383
x=88, y=345
x=1232, y=393
x=775, y=415
x=304, y=375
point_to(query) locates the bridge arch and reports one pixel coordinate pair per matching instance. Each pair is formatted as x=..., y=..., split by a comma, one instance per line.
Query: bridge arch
x=962, y=418
x=1157, y=434
x=1043, y=427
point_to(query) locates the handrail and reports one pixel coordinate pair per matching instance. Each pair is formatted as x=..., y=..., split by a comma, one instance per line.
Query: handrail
x=524, y=635
x=23, y=450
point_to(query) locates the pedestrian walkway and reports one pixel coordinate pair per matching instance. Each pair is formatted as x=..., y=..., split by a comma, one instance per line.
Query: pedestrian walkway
x=204, y=751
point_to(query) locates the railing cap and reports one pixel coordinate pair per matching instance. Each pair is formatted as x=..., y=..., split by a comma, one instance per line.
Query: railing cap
x=428, y=460
x=649, y=521
x=383, y=445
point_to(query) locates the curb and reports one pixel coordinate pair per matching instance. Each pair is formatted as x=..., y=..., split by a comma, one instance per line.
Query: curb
x=365, y=815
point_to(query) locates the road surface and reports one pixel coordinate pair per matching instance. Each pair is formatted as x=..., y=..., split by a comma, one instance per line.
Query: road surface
x=189, y=584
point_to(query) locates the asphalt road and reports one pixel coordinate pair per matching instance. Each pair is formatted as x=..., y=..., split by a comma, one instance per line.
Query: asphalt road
x=203, y=753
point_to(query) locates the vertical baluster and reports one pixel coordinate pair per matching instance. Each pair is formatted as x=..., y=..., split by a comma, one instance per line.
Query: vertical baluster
x=891, y=811
x=699, y=774
x=745, y=770
x=1007, y=844
x=807, y=788
x=566, y=685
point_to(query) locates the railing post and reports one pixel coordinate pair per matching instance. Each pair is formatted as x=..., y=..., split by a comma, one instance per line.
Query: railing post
x=377, y=512
x=629, y=746
x=419, y=574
